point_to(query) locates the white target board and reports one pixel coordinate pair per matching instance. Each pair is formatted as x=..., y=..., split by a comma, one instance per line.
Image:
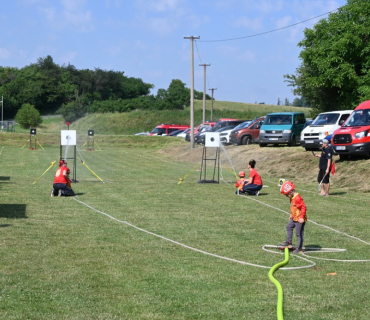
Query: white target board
x=212, y=139
x=68, y=137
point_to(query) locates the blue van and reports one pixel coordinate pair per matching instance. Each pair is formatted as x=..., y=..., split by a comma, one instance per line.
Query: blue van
x=282, y=128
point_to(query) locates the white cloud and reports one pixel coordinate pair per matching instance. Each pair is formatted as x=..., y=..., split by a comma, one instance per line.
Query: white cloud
x=71, y=14
x=159, y=5
x=73, y=5
x=237, y=54
x=283, y=22
x=162, y=26
x=68, y=57
x=245, y=22
x=4, y=54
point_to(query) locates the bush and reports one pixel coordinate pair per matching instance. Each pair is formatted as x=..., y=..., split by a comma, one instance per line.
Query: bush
x=28, y=116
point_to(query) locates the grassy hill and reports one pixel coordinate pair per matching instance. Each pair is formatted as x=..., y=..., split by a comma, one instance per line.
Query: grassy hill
x=144, y=121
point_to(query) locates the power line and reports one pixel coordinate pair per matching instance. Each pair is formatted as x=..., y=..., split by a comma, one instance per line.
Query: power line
x=266, y=32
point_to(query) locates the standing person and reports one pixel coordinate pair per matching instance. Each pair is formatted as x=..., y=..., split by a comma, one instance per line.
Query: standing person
x=254, y=183
x=240, y=183
x=62, y=182
x=324, y=167
x=297, y=217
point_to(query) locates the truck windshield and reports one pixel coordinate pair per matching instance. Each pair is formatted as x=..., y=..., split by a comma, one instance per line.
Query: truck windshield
x=358, y=118
x=159, y=131
x=277, y=119
x=325, y=118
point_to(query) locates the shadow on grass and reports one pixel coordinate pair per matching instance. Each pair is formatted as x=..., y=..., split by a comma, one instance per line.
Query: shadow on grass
x=313, y=247
x=337, y=193
x=4, y=178
x=13, y=211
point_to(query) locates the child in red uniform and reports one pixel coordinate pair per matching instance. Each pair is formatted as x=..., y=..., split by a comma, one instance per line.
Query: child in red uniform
x=62, y=182
x=240, y=183
x=297, y=217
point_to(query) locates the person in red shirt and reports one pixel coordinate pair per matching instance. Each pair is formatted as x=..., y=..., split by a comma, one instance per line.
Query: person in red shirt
x=254, y=183
x=240, y=183
x=62, y=182
x=297, y=218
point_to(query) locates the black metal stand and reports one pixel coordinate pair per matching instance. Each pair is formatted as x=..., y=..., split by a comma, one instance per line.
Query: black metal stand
x=74, y=178
x=216, y=165
x=90, y=143
x=33, y=141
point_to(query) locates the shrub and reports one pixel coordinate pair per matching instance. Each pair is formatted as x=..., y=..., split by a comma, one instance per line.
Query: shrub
x=28, y=116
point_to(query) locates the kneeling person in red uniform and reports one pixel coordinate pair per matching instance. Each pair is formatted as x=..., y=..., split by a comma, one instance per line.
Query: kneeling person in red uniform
x=254, y=183
x=62, y=182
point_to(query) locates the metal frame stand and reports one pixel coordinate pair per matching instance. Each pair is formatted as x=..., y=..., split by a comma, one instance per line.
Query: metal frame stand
x=33, y=143
x=90, y=143
x=74, y=178
x=216, y=165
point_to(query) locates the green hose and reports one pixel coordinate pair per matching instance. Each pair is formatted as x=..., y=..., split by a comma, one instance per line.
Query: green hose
x=278, y=285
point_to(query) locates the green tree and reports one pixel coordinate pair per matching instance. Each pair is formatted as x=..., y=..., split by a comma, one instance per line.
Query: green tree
x=335, y=69
x=28, y=116
x=73, y=110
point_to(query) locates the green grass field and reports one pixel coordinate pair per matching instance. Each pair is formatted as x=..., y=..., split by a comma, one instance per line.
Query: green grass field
x=138, y=245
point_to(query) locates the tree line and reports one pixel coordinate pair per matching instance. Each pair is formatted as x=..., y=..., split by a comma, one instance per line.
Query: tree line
x=50, y=88
x=335, y=69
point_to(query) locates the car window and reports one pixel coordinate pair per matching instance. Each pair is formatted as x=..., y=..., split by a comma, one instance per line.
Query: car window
x=159, y=131
x=243, y=125
x=326, y=118
x=278, y=119
x=358, y=118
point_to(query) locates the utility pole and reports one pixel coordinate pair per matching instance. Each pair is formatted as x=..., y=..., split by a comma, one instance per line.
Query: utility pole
x=192, y=90
x=213, y=89
x=204, y=90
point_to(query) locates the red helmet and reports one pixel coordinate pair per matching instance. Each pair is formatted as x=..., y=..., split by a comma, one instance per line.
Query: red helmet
x=287, y=187
x=61, y=162
x=241, y=174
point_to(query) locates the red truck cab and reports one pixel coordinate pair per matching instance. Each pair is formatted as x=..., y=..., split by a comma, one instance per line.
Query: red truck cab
x=353, y=137
x=165, y=129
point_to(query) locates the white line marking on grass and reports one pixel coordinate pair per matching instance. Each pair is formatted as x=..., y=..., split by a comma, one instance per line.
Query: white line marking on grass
x=320, y=225
x=312, y=264
x=316, y=223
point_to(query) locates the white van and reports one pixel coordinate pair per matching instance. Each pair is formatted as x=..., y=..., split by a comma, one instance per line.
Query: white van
x=324, y=124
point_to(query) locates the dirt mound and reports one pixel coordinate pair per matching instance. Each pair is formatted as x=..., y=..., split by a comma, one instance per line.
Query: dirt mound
x=281, y=162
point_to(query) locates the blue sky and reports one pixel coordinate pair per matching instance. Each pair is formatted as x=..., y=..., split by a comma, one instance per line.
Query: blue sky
x=145, y=39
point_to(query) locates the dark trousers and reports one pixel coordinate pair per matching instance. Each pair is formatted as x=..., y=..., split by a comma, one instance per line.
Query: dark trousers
x=252, y=188
x=299, y=230
x=66, y=191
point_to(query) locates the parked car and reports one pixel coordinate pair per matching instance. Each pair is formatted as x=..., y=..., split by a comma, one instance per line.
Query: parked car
x=201, y=136
x=166, y=129
x=142, y=134
x=203, y=126
x=247, y=132
x=175, y=133
x=225, y=134
x=183, y=134
x=353, y=137
x=225, y=123
x=282, y=128
x=324, y=124
x=308, y=122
